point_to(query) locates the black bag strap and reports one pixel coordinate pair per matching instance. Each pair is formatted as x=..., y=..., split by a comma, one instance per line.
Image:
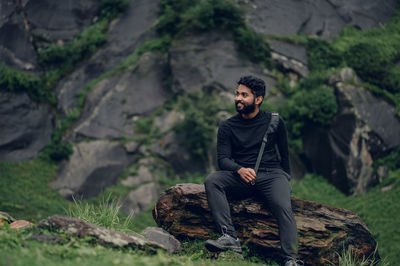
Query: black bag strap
x=273, y=125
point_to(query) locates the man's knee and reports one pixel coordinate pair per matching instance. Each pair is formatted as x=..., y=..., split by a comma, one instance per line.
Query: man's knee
x=211, y=180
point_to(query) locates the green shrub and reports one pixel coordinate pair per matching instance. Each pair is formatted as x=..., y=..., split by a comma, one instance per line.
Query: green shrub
x=181, y=16
x=12, y=80
x=322, y=55
x=392, y=160
x=111, y=8
x=60, y=151
x=253, y=45
x=366, y=60
x=212, y=14
x=105, y=213
x=199, y=126
x=65, y=57
x=312, y=103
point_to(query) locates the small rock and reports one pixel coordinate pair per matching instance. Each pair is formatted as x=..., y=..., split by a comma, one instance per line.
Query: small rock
x=5, y=217
x=386, y=188
x=162, y=237
x=54, y=239
x=20, y=225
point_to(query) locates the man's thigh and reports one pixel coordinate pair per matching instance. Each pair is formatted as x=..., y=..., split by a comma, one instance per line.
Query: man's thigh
x=231, y=183
x=274, y=187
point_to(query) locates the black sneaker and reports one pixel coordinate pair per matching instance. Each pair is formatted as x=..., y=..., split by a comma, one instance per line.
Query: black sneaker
x=224, y=243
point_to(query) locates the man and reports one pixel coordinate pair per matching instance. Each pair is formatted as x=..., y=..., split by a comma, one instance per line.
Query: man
x=238, y=143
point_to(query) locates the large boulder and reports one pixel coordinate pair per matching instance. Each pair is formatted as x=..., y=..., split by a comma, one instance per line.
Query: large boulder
x=364, y=128
x=323, y=231
x=26, y=127
x=93, y=167
x=322, y=18
x=16, y=48
x=211, y=60
x=126, y=33
x=112, y=105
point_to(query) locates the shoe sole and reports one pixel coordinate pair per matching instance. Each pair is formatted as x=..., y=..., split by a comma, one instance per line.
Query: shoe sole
x=213, y=248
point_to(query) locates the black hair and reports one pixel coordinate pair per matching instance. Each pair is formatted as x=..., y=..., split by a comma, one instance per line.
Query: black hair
x=256, y=85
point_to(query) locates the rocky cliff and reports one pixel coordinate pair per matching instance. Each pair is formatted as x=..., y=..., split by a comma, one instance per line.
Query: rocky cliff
x=132, y=80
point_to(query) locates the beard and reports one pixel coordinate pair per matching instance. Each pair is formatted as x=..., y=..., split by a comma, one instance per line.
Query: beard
x=246, y=109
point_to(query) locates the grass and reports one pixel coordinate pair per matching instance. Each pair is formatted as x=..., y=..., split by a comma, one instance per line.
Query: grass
x=24, y=190
x=24, y=194
x=106, y=213
x=377, y=208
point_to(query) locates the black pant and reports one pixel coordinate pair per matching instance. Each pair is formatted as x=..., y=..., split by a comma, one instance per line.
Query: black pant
x=274, y=188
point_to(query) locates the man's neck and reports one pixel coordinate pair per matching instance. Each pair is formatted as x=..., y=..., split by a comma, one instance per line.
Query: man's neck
x=251, y=115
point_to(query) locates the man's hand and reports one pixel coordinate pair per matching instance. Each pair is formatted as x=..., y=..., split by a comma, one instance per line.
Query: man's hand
x=247, y=174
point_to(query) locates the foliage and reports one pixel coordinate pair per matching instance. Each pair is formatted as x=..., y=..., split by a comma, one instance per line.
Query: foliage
x=65, y=57
x=105, y=213
x=366, y=60
x=312, y=103
x=253, y=45
x=392, y=160
x=199, y=126
x=109, y=9
x=322, y=55
x=16, y=81
x=179, y=17
x=24, y=192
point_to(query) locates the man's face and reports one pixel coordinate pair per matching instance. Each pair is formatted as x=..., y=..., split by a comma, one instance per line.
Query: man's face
x=244, y=100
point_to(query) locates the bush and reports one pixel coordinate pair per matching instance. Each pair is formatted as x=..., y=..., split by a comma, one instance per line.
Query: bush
x=253, y=45
x=111, y=8
x=65, y=57
x=204, y=15
x=12, y=80
x=313, y=103
x=322, y=55
x=60, y=151
x=366, y=60
x=199, y=126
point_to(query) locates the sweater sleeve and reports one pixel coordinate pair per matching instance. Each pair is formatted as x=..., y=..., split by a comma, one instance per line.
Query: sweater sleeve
x=224, y=150
x=282, y=142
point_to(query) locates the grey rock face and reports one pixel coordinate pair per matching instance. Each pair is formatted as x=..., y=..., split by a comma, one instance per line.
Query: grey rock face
x=211, y=60
x=126, y=33
x=93, y=167
x=365, y=127
x=144, y=175
x=112, y=104
x=25, y=127
x=323, y=18
x=141, y=198
x=16, y=49
x=60, y=19
x=159, y=235
x=290, y=57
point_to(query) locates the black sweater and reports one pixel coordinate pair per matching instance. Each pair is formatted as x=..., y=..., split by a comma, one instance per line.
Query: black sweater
x=239, y=141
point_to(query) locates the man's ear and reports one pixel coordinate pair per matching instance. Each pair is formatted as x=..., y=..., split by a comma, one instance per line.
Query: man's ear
x=259, y=100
